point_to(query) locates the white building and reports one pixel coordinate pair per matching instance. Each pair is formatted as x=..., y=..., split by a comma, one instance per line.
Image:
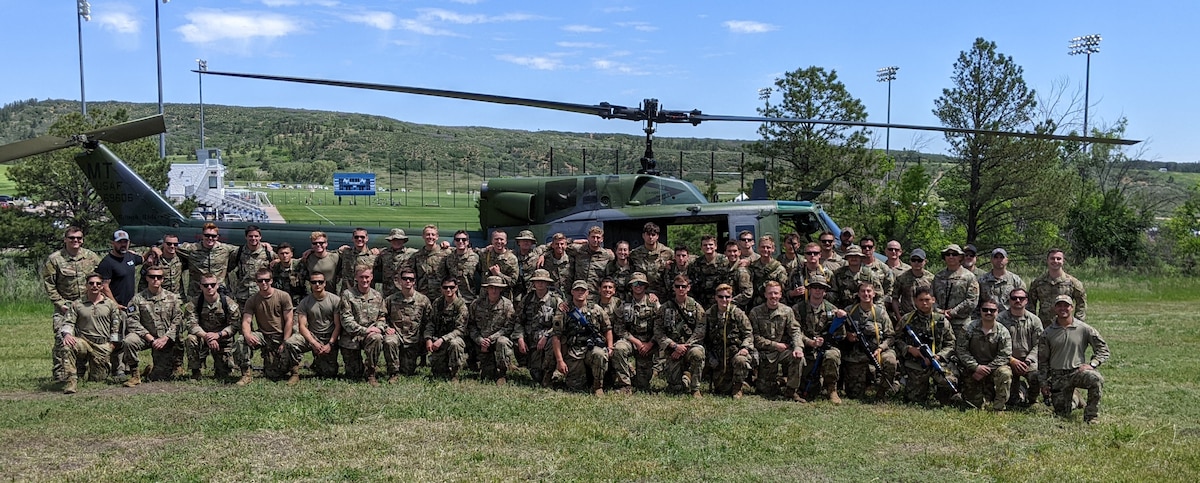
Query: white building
x=204, y=181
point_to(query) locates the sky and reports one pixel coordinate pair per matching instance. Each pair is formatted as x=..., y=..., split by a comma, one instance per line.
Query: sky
x=707, y=55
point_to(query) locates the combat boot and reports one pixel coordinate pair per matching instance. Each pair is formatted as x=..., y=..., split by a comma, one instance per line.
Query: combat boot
x=246, y=377
x=547, y=379
x=133, y=380
x=598, y=388
x=371, y=378
x=687, y=378
x=196, y=374
x=793, y=395
x=737, y=394
x=71, y=386
x=696, y=395
x=833, y=394
x=295, y=376
x=393, y=378
x=454, y=375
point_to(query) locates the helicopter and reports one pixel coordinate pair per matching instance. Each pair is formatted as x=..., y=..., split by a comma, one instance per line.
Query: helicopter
x=619, y=203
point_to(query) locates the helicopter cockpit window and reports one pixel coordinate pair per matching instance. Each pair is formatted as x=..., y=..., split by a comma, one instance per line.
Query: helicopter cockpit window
x=561, y=195
x=661, y=191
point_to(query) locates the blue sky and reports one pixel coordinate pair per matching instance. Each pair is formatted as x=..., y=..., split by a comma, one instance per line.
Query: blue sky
x=707, y=55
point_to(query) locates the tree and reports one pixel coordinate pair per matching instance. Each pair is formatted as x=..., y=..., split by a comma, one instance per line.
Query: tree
x=56, y=182
x=998, y=183
x=813, y=155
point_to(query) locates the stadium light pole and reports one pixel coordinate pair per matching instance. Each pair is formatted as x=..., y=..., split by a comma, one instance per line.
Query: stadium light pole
x=162, y=137
x=1085, y=45
x=888, y=74
x=202, y=67
x=84, y=12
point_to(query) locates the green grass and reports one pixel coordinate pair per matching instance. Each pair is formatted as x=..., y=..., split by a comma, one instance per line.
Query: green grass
x=7, y=186
x=424, y=430
x=449, y=212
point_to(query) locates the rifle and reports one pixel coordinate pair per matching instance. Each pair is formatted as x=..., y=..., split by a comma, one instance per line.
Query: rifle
x=594, y=339
x=862, y=341
x=933, y=362
x=815, y=373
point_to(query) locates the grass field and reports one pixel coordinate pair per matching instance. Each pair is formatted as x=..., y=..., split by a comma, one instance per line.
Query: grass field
x=7, y=186
x=424, y=430
x=400, y=210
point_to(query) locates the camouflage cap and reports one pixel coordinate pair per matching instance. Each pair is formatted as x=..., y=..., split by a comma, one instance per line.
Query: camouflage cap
x=580, y=284
x=541, y=275
x=397, y=234
x=952, y=249
x=1064, y=298
x=818, y=281
x=638, y=277
x=494, y=281
x=853, y=251
x=526, y=235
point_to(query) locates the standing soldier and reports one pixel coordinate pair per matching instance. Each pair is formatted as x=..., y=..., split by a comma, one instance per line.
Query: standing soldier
x=427, y=262
x=1064, y=365
x=1045, y=289
x=154, y=323
x=633, y=333
x=212, y=324
x=288, y=274
x=809, y=268
x=391, y=260
x=271, y=311
x=847, y=278
x=619, y=269
x=90, y=329
x=535, y=319
x=846, y=240
x=894, y=260
x=247, y=260
x=64, y=277
x=558, y=264
x=956, y=290
x=679, y=333
x=790, y=258
x=498, y=261
x=933, y=329
x=999, y=282
x=677, y=267
x=829, y=257
x=651, y=257
x=444, y=333
x=875, y=327
x=765, y=268
x=816, y=317
x=461, y=264
x=490, y=322
x=743, y=286
x=984, y=354
x=408, y=311
x=745, y=239
x=881, y=272
x=172, y=265
x=729, y=341
x=970, y=256
x=905, y=288
x=582, y=339
x=527, y=260
x=590, y=258
x=1026, y=330
x=208, y=256
x=364, y=319
x=320, y=325
x=350, y=258
x=320, y=259
x=780, y=342
x=708, y=271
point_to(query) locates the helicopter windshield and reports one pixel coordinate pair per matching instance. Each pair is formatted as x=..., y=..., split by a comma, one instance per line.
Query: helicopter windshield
x=653, y=190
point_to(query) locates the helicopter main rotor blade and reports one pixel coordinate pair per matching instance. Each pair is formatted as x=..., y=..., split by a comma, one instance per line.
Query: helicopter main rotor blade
x=118, y=133
x=1034, y=135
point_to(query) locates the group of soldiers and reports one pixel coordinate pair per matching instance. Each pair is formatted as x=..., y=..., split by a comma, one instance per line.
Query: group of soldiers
x=820, y=318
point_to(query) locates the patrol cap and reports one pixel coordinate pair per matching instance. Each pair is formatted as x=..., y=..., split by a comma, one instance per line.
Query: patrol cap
x=638, y=277
x=918, y=253
x=526, y=235
x=494, y=281
x=952, y=249
x=818, y=281
x=970, y=249
x=853, y=251
x=120, y=235
x=541, y=275
x=397, y=234
x=1000, y=251
x=579, y=284
x=1064, y=298
x=848, y=231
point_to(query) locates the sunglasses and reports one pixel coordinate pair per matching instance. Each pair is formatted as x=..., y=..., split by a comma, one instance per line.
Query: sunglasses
x=827, y=242
x=211, y=235
x=987, y=311
x=154, y=277
x=747, y=240
x=360, y=237
x=867, y=247
x=916, y=260
x=171, y=244
x=681, y=286
x=317, y=282
x=461, y=240
x=813, y=254
x=263, y=280
x=893, y=249
x=320, y=243
x=75, y=238
x=449, y=287
x=1017, y=297
x=408, y=279
x=208, y=285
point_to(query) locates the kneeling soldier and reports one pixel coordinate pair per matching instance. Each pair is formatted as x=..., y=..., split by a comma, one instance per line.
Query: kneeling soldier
x=933, y=329
x=444, y=333
x=582, y=341
x=729, y=341
x=679, y=332
x=633, y=333
x=271, y=311
x=408, y=312
x=490, y=323
x=780, y=341
x=153, y=323
x=320, y=326
x=983, y=353
x=212, y=324
x=89, y=329
x=1061, y=355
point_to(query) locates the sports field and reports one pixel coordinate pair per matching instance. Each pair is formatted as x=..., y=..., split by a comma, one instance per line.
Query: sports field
x=400, y=210
x=420, y=429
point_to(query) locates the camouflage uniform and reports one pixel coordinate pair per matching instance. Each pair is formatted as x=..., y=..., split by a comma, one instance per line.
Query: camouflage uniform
x=935, y=330
x=361, y=349
x=64, y=277
x=289, y=277
x=762, y=271
x=427, y=264
x=876, y=327
x=408, y=315
x=348, y=260
x=815, y=321
x=202, y=260
x=588, y=264
x=244, y=264
x=845, y=282
x=771, y=327
x=997, y=288
x=535, y=320
x=583, y=354
x=173, y=274
x=96, y=327
x=526, y=264
x=883, y=275
x=800, y=278
x=906, y=285
x=388, y=264
x=899, y=268
x=957, y=292
x=319, y=320
x=993, y=350
x=620, y=276
x=1025, y=332
x=726, y=334
x=833, y=262
x=463, y=267
x=675, y=325
x=222, y=316
x=448, y=322
x=651, y=261
x=159, y=316
x=634, y=319
x=743, y=286
x=1044, y=289
x=706, y=275
x=560, y=271
x=1062, y=351
x=791, y=265
x=495, y=323
x=510, y=269
x=667, y=278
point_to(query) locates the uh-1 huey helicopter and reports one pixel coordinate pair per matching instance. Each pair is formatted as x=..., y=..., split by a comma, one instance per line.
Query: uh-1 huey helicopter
x=619, y=203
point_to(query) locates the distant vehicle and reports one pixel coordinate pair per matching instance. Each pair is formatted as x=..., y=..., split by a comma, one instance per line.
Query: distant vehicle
x=274, y=186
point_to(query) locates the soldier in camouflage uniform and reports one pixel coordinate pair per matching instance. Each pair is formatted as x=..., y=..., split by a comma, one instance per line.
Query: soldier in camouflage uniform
x=780, y=342
x=319, y=325
x=728, y=343
x=765, y=268
x=881, y=271
x=970, y=256
x=444, y=333
x=845, y=240
x=677, y=267
x=983, y=355
x=408, y=311
x=708, y=271
x=745, y=239
x=490, y=323
x=1062, y=352
x=461, y=264
x=846, y=279
x=528, y=253
x=427, y=263
x=212, y=323
x=633, y=335
x=89, y=330
x=620, y=269
x=829, y=257
x=875, y=325
x=894, y=251
x=582, y=339
x=955, y=289
x=64, y=277
x=997, y=283
x=1056, y=281
x=816, y=317
x=350, y=258
x=679, y=333
x=590, y=258
x=652, y=257
x=391, y=260
x=247, y=260
x=208, y=256
x=288, y=274
x=1025, y=329
x=172, y=265
x=791, y=258
x=153, y=323
x=901, y=301
x=535, y=319
x=811, y=267
x=364, y=318
x=498, y=261
x=933, y=329
x=739, y=277
x=558, y=264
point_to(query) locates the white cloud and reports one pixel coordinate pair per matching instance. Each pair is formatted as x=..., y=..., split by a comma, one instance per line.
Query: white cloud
x=639, y=26
x=420, y=27
x=379, y=20
x=462, y=18
x=580, y=45
x=213, y=25
x=293, y=3
x=538, y=63
x=748, y=27
x=118, y=21
x=466, y=2
x=614, y=67
x=582, y=29
x=616, y=9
